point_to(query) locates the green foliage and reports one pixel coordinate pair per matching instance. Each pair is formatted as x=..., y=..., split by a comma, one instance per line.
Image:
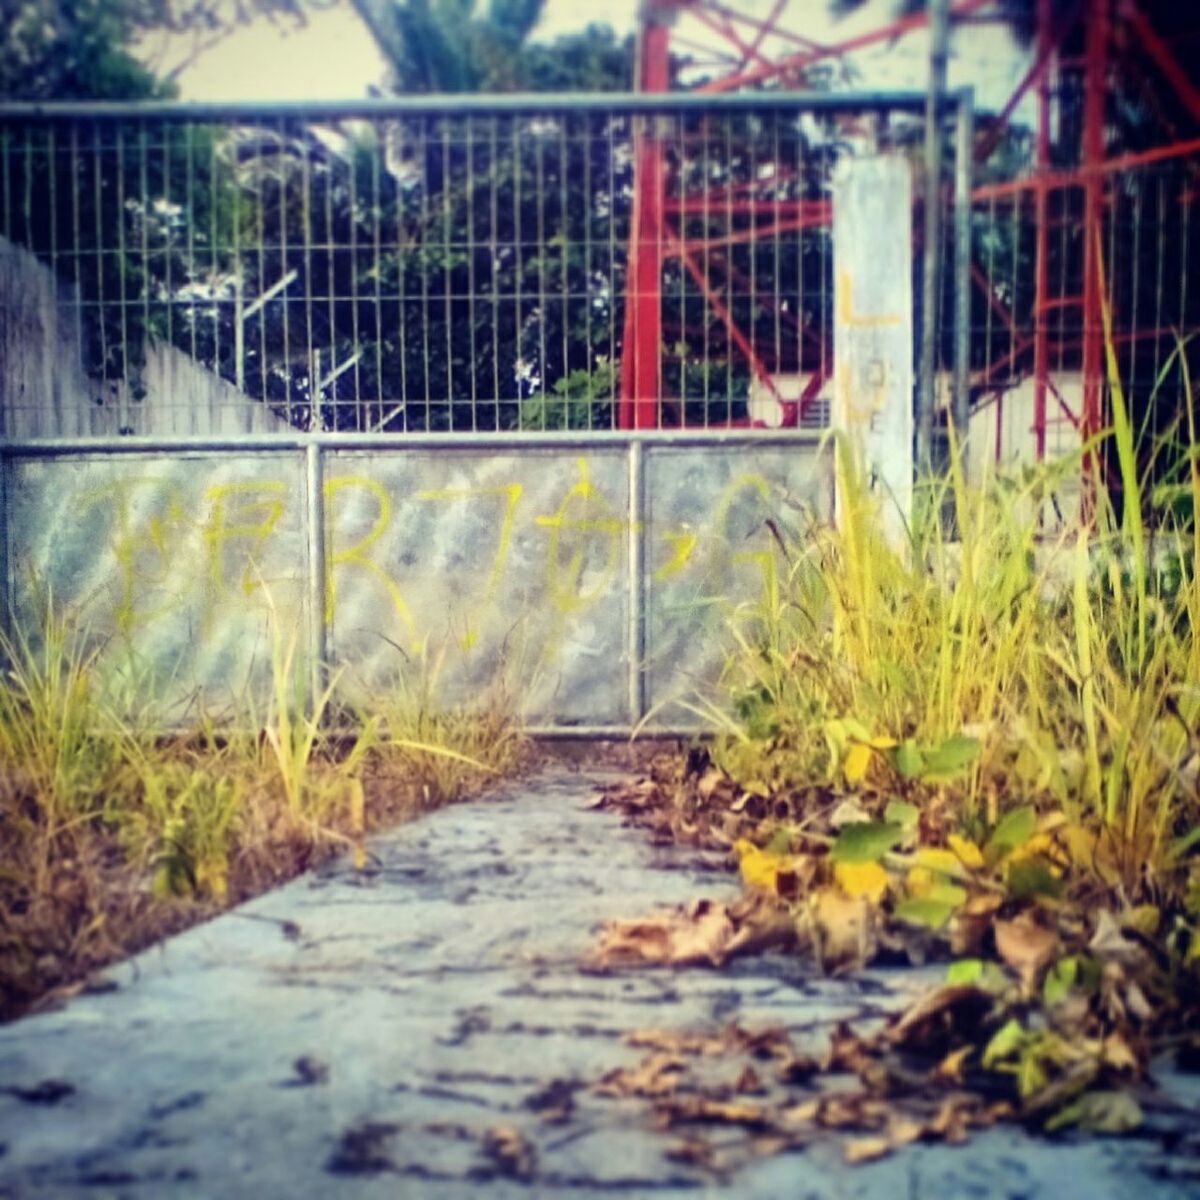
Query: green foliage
x=580, y=400
x=72, y=50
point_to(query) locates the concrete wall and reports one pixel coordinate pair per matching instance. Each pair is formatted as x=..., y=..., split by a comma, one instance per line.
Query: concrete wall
x=45, y=392
x=598, y=582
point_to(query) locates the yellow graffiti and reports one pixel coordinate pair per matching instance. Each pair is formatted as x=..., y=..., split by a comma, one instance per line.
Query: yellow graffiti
x=565, y=582
x=356, y=555
x=511, y=494
x=159, y=539
x=845, y=308
x=240, y=511
x=763, y=559
x=684, y=544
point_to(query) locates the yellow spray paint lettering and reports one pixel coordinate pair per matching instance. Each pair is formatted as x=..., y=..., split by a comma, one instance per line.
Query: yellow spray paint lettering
x=241, y=512
x=763, y=559
x=565, y=580
x=357, y=555
x=145, y=553
x=511, y=495
x=683, y=544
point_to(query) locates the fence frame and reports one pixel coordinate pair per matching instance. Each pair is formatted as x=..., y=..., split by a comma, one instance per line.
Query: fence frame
x=315, y=446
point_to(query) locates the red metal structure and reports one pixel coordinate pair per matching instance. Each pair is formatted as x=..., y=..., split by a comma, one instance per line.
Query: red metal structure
x=1073, y=219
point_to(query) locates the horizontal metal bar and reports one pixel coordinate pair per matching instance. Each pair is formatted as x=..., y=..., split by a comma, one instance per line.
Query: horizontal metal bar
x=290, y=442
x=526, y=104
x=610, y=733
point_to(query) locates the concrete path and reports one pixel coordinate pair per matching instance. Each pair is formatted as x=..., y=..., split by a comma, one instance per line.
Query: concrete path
x=377, y=1035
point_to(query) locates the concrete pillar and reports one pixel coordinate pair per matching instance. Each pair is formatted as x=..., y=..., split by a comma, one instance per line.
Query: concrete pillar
x=873, y=326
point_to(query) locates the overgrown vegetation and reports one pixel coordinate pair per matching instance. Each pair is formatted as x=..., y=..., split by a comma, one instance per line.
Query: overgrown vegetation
x=979, y=746
x=113, y=834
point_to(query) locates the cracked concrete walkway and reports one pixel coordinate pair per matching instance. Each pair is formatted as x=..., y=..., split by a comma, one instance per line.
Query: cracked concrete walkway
x=356, y=1035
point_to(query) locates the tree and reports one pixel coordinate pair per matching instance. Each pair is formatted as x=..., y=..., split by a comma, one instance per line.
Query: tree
x=72, y=50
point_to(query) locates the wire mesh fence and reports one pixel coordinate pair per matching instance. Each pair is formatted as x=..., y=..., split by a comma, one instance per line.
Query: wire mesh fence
x=398, y=269
x=1150, y=232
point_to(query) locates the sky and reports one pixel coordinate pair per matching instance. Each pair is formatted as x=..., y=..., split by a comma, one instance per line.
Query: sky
x=333, y=56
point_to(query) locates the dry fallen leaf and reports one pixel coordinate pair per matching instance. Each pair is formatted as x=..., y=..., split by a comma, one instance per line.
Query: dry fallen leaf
x=657, y=1075
x=1026, y=946
x=671, y=1041
x=699, y=933
x=842, y=929
x=941, y=1017
x=511, y=1153
x=704, y=1108
x=861, y=1150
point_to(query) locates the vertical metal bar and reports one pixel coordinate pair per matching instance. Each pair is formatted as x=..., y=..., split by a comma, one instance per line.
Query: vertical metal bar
x=1041, y=298
x=539, y=166
x=964, y=134
x=636, y=630
x=585, y=147
x=402, y=255
x=168, y=235
x=122, y=298
x=939, y=35
x=285, y=301
x=7, y=616
x=563, y=239
x=100, y=308
x=361, y=421
x=473, y=366
x=314, y=485
x=494, y=268
x=331, y=255
x=1095, y=78
x=447, y=258
x=144, y=278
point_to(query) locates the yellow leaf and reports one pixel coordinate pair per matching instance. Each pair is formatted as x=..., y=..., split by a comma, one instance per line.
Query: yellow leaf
x=945, y=862
x=951, y=1067
x=1043, y=846
x=883, y=743
x=858, y=758
x=967, y=852
x=862, y=879
x=759, y=869
x=919, y=881
x=1144, y=919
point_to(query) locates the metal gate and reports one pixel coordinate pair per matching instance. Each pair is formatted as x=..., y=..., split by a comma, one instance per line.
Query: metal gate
x=346, y=381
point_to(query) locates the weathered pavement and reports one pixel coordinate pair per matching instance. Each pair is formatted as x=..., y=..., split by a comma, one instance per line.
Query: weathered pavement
x=431, y=1000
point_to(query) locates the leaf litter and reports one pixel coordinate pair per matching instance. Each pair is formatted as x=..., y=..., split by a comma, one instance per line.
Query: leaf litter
x=1058, y=991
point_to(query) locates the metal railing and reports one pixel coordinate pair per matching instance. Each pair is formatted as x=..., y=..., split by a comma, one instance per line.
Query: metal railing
x=434, y=265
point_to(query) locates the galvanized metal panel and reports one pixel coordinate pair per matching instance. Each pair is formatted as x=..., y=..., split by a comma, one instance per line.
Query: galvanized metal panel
x=716, y=525
x=173, y=565
x=463, y=570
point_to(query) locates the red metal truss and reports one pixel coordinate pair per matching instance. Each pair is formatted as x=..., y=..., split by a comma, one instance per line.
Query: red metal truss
x=1097, y=42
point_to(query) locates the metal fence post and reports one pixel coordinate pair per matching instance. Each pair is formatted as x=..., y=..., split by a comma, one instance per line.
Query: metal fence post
x=314, y=485
x=636, y=640
x=964, y=156
x=939, y=32
x=6, y=585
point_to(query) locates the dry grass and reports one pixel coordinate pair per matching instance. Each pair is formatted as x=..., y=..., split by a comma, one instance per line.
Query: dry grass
x=112, y=836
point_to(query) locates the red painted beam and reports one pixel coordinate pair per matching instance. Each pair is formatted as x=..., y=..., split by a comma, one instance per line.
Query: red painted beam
x=738, y=338
x=1066, y=179
x=638, y=407
x=1160, y=53
x=1048, y=44
x=805, y=58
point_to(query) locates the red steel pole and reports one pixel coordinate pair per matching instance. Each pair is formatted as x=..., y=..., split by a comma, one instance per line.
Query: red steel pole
x=641, y=345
